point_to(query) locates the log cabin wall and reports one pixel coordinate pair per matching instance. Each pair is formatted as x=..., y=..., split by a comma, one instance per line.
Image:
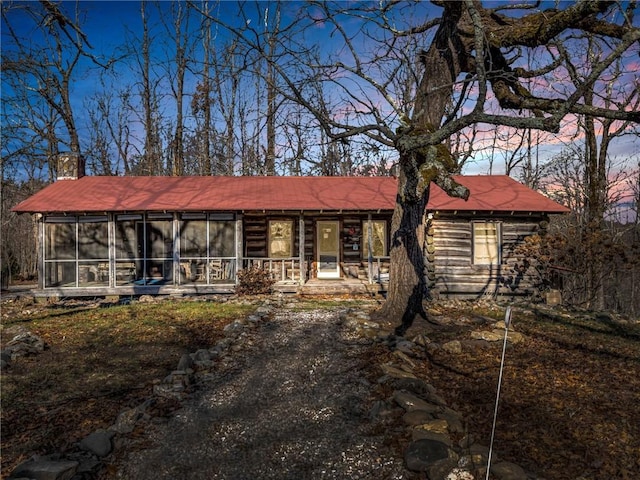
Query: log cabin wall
x=450, y=267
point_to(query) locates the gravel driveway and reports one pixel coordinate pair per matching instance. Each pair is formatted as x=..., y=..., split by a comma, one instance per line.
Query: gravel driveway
x=291, y=403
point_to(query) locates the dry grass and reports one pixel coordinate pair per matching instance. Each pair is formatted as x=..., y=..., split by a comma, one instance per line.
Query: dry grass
x=569, y=403
x=99, y=361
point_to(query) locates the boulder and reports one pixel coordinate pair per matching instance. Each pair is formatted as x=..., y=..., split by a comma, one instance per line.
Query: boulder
x=46, y=469
x=98, y=443
x=508, y=471
x=425, y=453
x=410, y=402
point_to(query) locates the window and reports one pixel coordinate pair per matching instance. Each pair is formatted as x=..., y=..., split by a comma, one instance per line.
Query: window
x=377, y=231
x=280, y=238
x=486, y=243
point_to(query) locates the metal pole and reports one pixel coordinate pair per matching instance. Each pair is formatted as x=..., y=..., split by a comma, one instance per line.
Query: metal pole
x=507, y=322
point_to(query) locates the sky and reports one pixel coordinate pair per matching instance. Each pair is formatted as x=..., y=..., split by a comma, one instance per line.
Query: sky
x=109, y=24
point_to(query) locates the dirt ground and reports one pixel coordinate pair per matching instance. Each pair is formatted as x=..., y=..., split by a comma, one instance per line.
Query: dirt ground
x=293, y=404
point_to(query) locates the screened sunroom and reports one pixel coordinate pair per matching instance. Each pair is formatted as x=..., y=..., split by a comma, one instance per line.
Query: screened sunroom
x=139, y=249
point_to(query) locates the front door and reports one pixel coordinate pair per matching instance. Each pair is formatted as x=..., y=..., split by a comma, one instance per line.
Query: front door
x=328, y=241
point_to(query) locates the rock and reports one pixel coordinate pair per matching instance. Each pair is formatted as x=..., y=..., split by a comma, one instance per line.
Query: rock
x=422, y=454
x=459, y=474
x=146, y=299
x=13, y=331
x=185, y=362
x=436, y=426
x=453, y=419
x=98, y=443
x=453, y=347
x=441, y=469
x=46, y=470
x=419, y=434
x=508, y=471
x=5, y=358
x=488, y=336
x=418, y=417
x=497, y=335
x=405, y=358
x=395, y=372
x=410, y=402
x=25, y=344
x=233, y=328
x=380, y=409
x=127, y=420
x=201, y=355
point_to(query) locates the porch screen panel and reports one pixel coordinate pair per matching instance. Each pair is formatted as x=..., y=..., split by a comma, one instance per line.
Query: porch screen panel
x=60, y=240
x=222, y=250
x=129, y=249
x=222, y=238
x=486, y=243
x=60, y=267
x=93, y=239
x=93, y=251
x=193, y=248
x=193, y=238
x=159, y=249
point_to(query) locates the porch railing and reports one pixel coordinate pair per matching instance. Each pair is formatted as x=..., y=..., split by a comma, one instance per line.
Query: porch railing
x=281, y=269
x=379, y=269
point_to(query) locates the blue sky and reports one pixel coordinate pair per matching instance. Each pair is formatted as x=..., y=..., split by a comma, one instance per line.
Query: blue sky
x=109, y=23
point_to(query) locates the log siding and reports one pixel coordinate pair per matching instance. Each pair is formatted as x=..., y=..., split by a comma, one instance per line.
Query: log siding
x=450, y=267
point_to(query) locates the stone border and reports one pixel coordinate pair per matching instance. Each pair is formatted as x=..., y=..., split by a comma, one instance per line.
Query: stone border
x=429, y=423
x=88, y=457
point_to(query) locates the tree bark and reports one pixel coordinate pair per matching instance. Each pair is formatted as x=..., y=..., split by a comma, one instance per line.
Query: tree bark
x=419, y=167
x=409, y=288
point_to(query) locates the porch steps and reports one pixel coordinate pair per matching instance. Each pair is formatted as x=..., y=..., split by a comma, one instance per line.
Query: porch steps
x=340, y=287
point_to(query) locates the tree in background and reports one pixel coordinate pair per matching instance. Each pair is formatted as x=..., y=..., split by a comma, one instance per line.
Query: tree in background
x=42, y=72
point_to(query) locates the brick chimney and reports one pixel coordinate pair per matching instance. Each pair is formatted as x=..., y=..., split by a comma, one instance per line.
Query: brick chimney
x=70, y=166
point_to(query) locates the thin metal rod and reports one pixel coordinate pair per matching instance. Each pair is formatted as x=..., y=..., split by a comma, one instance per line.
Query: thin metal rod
x=507, y=322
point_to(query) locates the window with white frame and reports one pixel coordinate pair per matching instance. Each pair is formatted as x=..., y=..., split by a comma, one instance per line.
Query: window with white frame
x=486, y=243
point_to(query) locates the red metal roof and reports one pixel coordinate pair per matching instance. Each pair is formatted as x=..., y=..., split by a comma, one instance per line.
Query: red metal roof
x=119, y=194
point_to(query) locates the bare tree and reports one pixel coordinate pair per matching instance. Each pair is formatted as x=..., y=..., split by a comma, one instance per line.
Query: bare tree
x=177, y=32
x=151, y=160
x=471, y=64
x=47, y=69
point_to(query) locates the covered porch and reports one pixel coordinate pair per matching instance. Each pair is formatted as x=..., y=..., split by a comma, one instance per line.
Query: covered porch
x=180, y=253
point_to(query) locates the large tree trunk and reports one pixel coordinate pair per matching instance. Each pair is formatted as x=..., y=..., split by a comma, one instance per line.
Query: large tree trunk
x=407, y=286
x=419, y=166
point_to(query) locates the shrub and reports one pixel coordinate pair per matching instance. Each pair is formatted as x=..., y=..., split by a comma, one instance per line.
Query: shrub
x=254, y=281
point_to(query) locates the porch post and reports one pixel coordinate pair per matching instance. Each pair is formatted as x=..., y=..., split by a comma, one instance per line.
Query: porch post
x=175, y=255
x=369, y=249
x=40, y=249
x=239, y=244
x=111, y=225
x=303, y=267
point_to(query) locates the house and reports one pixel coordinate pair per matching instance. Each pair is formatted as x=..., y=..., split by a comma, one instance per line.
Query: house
x=102, y=235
